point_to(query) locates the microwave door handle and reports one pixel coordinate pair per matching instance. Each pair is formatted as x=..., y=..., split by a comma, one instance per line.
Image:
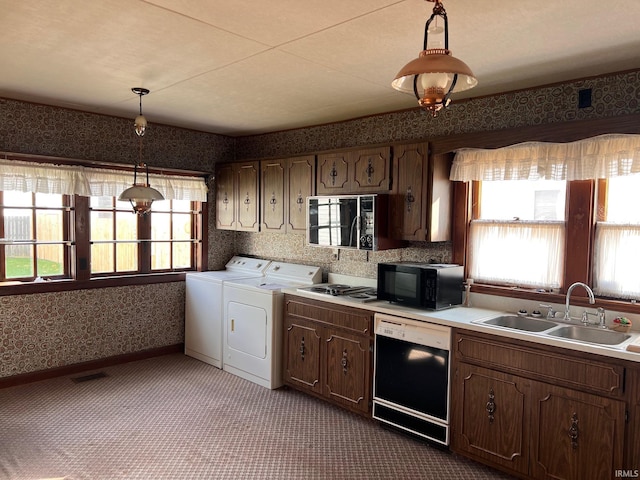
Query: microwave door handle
x=355, y=224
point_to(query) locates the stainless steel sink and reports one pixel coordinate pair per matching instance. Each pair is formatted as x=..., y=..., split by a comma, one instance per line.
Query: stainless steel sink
x=590, y=335
x=521, y=323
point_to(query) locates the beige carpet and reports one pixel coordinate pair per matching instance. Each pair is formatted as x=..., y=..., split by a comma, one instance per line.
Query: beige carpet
x=174, y=417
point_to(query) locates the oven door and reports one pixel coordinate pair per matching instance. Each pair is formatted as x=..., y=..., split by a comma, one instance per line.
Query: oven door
x=411, y=376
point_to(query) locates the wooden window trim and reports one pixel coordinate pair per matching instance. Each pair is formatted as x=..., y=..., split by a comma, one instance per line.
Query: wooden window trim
x=581, y=213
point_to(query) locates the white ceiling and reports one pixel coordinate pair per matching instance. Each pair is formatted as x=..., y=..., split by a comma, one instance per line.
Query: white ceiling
x=240, y=67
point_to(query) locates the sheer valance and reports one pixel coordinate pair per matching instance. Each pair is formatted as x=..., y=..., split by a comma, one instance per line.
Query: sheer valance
x=87, y=181
x=592, y=158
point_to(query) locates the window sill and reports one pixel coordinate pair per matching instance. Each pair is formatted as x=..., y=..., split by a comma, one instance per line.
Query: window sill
x=25, y=288
x=577, y=299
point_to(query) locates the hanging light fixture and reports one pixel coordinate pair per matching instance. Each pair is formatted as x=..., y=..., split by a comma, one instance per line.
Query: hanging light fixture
x=435, y=74
x=140, y=195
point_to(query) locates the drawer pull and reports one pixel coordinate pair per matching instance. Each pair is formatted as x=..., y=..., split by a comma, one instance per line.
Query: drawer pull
x=333, y=174
x=344, y=362
x=302, y=348
x=491, y=406
x=410, y=199
x=370, y=171
x=573, y=431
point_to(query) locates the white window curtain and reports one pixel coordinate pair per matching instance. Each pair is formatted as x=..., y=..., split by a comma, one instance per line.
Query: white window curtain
x=78, y=180
x=604, y=156
x=517, y=253
x=616, y=260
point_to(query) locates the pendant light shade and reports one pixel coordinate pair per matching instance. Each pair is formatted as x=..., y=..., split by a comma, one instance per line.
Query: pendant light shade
x=435, y=74
x=140, y=195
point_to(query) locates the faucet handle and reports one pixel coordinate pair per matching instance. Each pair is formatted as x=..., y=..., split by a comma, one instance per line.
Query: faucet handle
x=551, y=313
x=601, y=318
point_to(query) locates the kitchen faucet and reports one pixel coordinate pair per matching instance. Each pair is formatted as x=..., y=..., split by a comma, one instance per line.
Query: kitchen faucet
x=592, y=299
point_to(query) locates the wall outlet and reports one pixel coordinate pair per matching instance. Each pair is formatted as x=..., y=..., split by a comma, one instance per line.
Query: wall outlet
x=335, y=255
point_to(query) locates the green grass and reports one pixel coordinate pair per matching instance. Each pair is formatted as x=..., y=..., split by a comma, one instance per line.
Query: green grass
x=18, y=267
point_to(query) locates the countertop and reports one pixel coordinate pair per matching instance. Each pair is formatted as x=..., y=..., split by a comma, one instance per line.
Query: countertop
x=468, y=318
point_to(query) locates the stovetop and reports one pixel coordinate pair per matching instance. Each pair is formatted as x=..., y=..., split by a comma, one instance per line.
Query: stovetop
x=355, y=293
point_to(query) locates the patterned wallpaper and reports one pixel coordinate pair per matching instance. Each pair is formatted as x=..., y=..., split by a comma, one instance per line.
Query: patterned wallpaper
x=44, y=331
x=58, y=132
x=49, y=330
x=612, y=95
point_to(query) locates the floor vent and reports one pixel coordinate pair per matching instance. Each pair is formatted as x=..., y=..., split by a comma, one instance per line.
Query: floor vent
x=92, y=376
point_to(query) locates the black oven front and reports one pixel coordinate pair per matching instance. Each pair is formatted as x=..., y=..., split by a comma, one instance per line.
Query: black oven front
x=411, y=376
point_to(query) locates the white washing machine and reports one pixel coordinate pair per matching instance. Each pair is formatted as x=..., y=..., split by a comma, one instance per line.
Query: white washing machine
x=204, y=308
x=253, y=318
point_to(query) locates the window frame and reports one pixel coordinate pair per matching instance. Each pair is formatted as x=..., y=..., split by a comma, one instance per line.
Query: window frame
x=583, y=204
x=66, y=210
x=80, y=253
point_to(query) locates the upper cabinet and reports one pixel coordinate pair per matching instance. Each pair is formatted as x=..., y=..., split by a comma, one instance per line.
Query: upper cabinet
x=355, y=171
x=286, y=184
x=237, y=196
x=421, y=195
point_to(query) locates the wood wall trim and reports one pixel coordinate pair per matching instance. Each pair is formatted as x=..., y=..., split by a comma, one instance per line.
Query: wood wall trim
x=550, y=132
x=90, y=365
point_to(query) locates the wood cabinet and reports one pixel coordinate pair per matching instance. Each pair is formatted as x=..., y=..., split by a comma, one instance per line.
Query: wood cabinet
x=355, y=171
x=328, y=352
x=493, y=421
x=422, y=194
x=237, y=196
x=537, y=412
x=286, y=184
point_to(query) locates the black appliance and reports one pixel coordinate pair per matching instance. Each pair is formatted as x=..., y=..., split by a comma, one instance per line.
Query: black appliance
x=423, y=285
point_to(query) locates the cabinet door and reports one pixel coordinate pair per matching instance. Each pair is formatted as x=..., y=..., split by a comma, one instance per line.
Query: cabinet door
x=225, y=197
x=247, y=218
x=302, y=342
x=348, y=370
x=272, y=206
x=490, y=422
x=333, y=174
x=575, y=435
x=409, y=199
x=371, y=172
x=301, y=179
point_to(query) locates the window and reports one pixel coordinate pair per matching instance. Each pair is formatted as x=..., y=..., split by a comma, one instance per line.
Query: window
x=617, y=242
x=517, y=235
x=35, y=233
x=114, y=236
x=172, y=235
x=64, y=222
x=601, y=226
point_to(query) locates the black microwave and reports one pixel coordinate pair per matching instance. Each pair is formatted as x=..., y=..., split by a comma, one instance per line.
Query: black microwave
x=423, y=285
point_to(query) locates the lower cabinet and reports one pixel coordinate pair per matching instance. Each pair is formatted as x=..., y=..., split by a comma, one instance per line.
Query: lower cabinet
x=328, y=352
x=537, y=413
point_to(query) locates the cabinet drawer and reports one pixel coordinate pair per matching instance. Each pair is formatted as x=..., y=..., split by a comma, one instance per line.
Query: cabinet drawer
x=559, y=367
x=353, y=319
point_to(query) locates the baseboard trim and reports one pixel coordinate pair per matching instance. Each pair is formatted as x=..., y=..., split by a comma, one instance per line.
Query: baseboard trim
x=90, y=365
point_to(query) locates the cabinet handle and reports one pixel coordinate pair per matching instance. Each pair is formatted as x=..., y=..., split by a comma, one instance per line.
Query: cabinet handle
x=302, y=348
x=225, y=200
x=410, y=199
x=273, y=201
x=491, y=406
x=300, y=201
x=247, y=200
x=573, y=431
x=370, y=171
x=344, y=362
x=333, y=174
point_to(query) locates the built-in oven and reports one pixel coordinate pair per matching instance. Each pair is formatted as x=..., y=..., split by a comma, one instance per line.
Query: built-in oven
x=411, y=376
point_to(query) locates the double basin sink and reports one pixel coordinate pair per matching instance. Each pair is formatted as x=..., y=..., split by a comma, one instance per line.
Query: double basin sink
x=550, y=328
